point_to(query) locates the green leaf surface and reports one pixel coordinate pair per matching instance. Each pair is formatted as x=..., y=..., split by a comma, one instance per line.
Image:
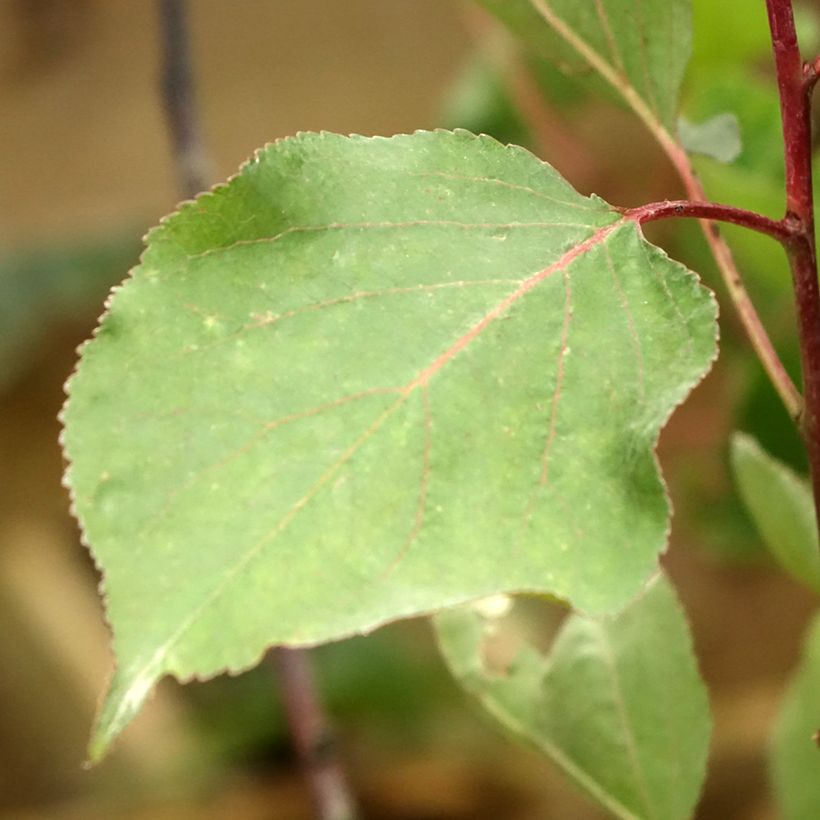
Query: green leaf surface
x=795, y=756
x=781, y=504
x=367, y=379
x=717, y=138
x=616, y=703
x=640, y=47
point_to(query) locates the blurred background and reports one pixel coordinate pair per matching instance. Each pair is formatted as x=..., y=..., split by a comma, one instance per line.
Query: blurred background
x=85, y=170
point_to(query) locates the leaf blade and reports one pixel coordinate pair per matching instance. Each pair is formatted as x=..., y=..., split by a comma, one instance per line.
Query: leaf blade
x=641, y=48
x=402, y=317
x=794, y=756
x=781, y=505
x=616, y=703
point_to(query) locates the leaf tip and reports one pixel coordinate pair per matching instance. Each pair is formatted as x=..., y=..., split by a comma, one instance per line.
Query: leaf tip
x=122, y=701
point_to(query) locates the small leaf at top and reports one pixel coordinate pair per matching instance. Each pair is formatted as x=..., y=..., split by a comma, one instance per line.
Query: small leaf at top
x=640, y=47
x=617, y=703
x=781, y=504
x=366, y=379
x=795, y=756
x=717, y=138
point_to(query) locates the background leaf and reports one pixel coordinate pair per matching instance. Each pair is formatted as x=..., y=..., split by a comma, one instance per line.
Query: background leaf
x=367, y=379
x=48, y=284
x=718, y=137
x=640, y=45
x=616, y=703
x=781, y=505
x=795, y=755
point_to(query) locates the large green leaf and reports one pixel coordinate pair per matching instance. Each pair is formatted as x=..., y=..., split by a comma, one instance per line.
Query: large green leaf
x=795, y=755
x=617, y=703
x=640, y=47
x=366, y=379
x=782, y=506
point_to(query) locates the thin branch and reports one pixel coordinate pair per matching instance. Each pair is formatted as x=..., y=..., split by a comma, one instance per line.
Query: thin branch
x=795, y=83
x=312, y=737
x=811, y=73
x=781, y=230
x=795, y=111
x=749, y=317
x=752, y=324
x=308, y=727
x=179, y=100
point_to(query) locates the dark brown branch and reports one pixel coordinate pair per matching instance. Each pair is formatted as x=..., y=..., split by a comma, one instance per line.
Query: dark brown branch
x=781, y=230
x=308, y=727
x=312, y=737
x=795, y=82
x=179, y=100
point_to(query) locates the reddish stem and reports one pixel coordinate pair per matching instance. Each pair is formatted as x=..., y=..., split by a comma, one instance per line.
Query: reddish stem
x=781, y=230
x=795, y=81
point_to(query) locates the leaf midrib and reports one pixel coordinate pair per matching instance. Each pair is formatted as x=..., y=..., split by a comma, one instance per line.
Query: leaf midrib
x=154, y=665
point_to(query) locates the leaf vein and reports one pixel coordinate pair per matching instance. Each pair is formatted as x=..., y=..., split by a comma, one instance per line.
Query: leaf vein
x=254, y=440
x=630, y=320
x=559, y=380
x=610, y=663
x=647, y=74
x=510, y=185
x=421, y=507
x=368, y=226
x=603, y=18
x=420, y=381
x=226, y=578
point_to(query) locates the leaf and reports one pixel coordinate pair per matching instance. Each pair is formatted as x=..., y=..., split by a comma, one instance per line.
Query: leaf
x=755, y=181
x=781, y=504
x=617, y=704
x=717, y=138
x=795, y=756
x=639, y=47
x=367, y=379
x=477, y=100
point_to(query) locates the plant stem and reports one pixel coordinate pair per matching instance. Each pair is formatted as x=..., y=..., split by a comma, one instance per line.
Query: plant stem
x=312, y=737
x=749, y=317
x=781, y=230
x=676, y=153
x=179, y=100
x=547, y=129
x=308, y=726
x=795, y=82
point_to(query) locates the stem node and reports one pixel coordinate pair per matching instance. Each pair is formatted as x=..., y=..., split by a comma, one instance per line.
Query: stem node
x=795, y=79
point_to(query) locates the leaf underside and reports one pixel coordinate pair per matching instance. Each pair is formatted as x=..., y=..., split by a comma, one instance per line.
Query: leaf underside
x=640, y=47
x=795, y=756
x=717, y=137
x=781, y=505
x=367, y=379
x=617, y=703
